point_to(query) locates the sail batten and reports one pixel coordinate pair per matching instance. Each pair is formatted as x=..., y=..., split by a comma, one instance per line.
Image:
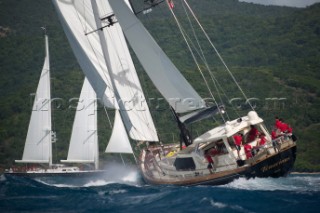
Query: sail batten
x=163, y=73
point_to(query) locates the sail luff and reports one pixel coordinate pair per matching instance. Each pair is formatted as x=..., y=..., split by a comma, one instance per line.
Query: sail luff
x=38, y=143
x=163, y=73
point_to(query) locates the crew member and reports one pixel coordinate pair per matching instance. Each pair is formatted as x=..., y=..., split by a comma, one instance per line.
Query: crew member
x=238, y=142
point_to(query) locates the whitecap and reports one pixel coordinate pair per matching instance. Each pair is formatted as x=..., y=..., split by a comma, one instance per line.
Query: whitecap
x=290, y=183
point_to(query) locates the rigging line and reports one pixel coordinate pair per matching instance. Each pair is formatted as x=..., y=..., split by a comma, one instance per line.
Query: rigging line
x=202, y=56
x=220, y=57
x=195, y=60
x=106, y=111
x=214, y=80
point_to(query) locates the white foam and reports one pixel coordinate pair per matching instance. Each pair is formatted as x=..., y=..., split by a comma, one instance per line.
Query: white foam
x=97, y=183
x=291, y=183
x=218, y=204
x=2, y=178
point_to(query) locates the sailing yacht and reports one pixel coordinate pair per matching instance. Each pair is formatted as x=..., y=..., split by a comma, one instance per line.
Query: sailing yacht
x=96, y=30
x=83, y=147
x=38, y=145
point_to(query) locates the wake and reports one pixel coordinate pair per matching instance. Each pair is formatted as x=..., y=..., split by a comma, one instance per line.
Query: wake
x=291, y=183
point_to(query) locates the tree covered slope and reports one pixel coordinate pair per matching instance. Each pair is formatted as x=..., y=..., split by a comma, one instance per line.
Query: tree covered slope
x=273, y=52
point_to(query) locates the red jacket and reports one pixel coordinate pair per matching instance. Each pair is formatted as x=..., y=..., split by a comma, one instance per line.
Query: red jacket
x=237, y=139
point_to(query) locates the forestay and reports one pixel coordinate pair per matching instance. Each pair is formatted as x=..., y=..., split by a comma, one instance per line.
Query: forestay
x=163, y=73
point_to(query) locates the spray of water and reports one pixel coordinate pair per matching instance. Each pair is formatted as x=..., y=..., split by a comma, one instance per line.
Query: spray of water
x=117, y=173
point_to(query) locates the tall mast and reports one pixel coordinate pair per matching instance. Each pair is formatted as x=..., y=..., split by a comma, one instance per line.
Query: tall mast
x=49, y=104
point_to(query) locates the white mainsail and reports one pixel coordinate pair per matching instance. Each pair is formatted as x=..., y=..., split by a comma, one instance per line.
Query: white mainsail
x=87, y=49
x=119, y=141
x=83, y=146
x=163, y=73
x=80, y=26
x=38, y=143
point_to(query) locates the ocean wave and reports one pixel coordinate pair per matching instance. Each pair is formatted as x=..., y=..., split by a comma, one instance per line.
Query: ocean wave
x=291, y=183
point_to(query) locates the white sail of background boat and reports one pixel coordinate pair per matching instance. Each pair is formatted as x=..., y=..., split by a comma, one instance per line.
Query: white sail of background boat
x=38, y=145
x=83, y=146
x=94, y=24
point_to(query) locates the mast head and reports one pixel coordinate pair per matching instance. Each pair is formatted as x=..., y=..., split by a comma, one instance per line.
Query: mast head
x=44, y=30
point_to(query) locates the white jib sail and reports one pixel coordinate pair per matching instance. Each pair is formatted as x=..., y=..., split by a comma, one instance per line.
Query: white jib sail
x=119, y=141
x=83, y=146
x=38, y=144
x=78, y=20
x=163, y=73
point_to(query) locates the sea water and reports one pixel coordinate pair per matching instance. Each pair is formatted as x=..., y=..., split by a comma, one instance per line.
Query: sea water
x=124, y=191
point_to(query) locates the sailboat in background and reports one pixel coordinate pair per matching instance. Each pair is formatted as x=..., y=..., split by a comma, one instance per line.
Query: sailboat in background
x=83, y=147
x=95, y=31
x=38, y=145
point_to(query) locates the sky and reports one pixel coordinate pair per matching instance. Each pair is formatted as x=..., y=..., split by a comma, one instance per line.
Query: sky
x=290, y=3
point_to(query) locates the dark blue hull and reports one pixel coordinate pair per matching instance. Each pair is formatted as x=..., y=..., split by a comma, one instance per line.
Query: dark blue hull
x=275, y=166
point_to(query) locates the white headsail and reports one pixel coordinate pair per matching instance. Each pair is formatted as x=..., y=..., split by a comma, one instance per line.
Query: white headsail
x=38, y=144
x=119, y=141
x=84, y=34
x=83, y=146
x=163, y=73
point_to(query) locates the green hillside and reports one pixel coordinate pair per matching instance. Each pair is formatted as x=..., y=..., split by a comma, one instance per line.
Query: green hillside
x=273, y=52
